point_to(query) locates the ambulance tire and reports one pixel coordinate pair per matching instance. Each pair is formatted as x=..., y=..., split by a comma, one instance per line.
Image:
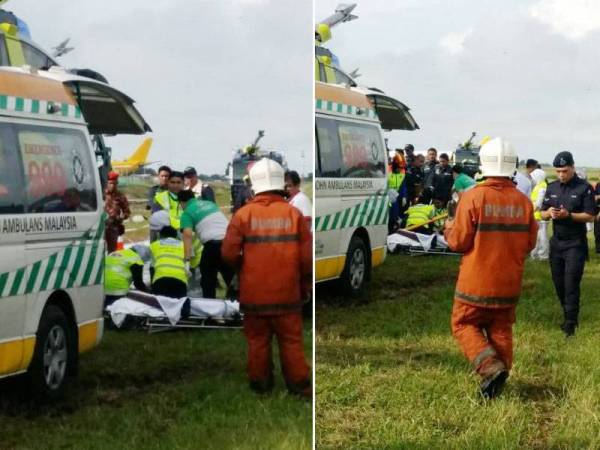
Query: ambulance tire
x=356, y=269
x=47, y=376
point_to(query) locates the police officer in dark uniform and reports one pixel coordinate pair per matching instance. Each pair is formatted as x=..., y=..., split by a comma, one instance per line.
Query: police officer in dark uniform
x=569, y=202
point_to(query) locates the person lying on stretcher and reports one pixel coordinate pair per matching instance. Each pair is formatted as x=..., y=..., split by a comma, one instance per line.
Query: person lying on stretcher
x=419, y=216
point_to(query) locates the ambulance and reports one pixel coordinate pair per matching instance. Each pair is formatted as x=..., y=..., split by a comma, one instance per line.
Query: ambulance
x=52, y=220
x=351, y=202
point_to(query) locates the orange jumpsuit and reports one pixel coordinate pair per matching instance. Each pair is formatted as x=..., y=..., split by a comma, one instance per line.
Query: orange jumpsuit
x=269, y=242
x=495, y=230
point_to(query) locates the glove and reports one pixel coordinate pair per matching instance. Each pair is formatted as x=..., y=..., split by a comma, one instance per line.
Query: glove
x=188, y=272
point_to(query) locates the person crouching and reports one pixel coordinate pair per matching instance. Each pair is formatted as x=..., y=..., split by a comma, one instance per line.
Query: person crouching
x=270, y=244
x=169, y=270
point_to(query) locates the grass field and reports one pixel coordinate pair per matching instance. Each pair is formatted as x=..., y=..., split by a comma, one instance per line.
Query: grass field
x=390, y=376
x=171, y=390
x=162, y=391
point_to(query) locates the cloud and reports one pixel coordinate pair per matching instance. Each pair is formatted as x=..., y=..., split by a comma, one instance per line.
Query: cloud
x=454, y=43
x=206, y=75
x=573, y=19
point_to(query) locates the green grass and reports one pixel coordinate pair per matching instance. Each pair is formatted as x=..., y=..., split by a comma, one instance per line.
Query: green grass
x=171, y=390
x=183, y=390
x=390, y=376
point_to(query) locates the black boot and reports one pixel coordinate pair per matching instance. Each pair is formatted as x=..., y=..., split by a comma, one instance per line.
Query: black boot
x=569, y=327
x=492, y=386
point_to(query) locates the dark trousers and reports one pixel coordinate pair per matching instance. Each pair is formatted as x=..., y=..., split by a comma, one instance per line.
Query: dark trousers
x=259, y=331
x=597, y=235
x=169, y=287
x=210, y=265
x=394, y=215
x=567, y=261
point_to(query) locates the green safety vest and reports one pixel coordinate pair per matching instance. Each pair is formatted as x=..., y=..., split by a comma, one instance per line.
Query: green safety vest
x=419, y=214
x=395, y=180
x=166, y=202
x=117, y=271
x=168, y=259
x=197, y=249
x=534, y=196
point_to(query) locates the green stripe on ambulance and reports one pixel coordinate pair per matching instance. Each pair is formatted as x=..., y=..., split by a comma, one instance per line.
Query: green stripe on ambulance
x=372, y=211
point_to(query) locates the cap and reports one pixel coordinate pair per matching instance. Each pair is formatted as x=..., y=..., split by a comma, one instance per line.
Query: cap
x=563, y=159
x=113, y=176
x=159, y=219
x=189, y=172
x=409, y=147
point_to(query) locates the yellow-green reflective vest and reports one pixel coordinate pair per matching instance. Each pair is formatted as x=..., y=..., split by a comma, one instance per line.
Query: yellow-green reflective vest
x=117, y=271
x=168, y=259
x=168, y=203
x=419, y=214
x=534, y=197
x=440, y=222
x=395, y=180
x=197, y=249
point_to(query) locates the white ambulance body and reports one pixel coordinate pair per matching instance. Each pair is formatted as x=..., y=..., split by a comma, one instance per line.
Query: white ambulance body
x=351, y=202
x=52, y=220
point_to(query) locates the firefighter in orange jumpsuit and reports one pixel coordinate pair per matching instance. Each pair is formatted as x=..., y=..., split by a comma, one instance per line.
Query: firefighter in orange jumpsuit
x=495, y=230
x=269, y=243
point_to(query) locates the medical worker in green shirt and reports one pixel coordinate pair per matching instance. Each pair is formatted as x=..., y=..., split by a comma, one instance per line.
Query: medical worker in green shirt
x=205, y=219
x=462, y=181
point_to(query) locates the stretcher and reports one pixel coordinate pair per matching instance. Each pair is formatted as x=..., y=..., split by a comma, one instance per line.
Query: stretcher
x=156, y=313
x=412, y=243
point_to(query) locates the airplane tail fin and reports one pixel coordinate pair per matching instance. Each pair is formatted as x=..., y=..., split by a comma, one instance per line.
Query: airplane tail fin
x=141, y=153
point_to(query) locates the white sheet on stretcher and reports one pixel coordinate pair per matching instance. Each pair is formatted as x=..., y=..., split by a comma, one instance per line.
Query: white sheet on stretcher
x=415, y=240
x=171, y=309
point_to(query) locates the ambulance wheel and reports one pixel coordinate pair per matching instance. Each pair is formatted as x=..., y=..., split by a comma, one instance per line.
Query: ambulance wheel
x=51, y=357
x=355, y=274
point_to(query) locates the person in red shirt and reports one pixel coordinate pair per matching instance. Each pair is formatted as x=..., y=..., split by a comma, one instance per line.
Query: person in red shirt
x=117, y=210
x=269, y=243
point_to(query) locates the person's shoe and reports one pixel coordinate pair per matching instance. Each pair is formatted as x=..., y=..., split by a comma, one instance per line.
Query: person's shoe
x=569, y=328
x=262, y=387
x=492, y=386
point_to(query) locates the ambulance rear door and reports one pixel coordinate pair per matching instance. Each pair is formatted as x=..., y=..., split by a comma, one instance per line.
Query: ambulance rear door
x=105, y=109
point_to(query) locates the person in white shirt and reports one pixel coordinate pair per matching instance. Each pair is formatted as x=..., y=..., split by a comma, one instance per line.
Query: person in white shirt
x=296, y=197
x=201, y=190
x=523, y=183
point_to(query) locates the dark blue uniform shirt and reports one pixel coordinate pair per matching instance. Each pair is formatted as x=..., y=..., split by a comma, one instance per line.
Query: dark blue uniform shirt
x=576, y=196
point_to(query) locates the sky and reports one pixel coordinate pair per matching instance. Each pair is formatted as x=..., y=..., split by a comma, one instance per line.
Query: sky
x=206, y=75
x=526, y=70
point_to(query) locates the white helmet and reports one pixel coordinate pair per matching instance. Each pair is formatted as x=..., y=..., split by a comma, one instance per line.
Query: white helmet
x=498, y=158
x=538, y=175
x=159, y=219
x=143, y=252
x=267, y=175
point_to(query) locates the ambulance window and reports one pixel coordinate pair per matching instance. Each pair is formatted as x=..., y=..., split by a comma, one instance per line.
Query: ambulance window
x=3, y=53
x=328, y=148
x=35, y=58
x=342, y=78
x=363, y=153
x=11, y=177
x=59, y=172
